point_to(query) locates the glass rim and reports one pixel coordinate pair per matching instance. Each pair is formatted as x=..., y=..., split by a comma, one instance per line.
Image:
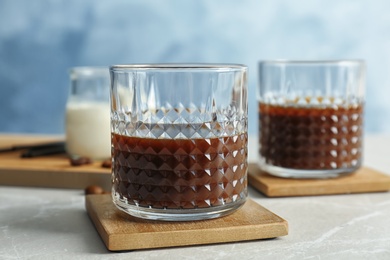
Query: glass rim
x=313, y=62
x=183, y=66
x=88, y=69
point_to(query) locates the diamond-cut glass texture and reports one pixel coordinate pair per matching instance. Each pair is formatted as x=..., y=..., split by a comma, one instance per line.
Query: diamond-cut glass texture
x=311, y=133
x=180, y=158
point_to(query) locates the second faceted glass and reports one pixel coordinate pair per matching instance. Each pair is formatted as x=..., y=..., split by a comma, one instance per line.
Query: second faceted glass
x=179, y=140
x=311, y=117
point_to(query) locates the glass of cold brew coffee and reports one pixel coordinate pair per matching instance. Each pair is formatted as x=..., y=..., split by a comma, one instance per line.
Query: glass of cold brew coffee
x=179, y=140
x=311, y=117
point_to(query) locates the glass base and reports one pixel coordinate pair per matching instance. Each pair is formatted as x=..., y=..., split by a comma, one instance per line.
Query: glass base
x=178, y=214
x=306, y=174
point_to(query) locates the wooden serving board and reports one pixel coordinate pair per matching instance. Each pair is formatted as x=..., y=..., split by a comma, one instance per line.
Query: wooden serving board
x=362, y=181
x=52, y=171
x=121, y=231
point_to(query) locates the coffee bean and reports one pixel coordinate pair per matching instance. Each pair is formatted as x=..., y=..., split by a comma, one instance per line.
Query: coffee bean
x=94, y=189
x=80, y=161
x=107, y=163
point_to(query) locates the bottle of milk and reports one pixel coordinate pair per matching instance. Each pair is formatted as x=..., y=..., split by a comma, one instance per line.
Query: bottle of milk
x=88, y=113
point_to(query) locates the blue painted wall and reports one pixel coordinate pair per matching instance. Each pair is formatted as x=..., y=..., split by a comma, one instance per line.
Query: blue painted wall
x=41, y=39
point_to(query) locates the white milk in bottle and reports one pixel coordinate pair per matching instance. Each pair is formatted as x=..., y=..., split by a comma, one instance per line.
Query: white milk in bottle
x=88, y=131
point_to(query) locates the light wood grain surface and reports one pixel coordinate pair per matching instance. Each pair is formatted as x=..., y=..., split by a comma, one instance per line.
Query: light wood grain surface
x=120, y=231
x=52, y=171
x=364, y=180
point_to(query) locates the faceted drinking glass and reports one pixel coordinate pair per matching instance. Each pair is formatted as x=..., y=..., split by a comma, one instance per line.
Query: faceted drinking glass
x=179, y=140
x=311, y=117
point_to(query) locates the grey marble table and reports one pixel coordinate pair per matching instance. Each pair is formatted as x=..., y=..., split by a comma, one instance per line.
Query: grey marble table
x=39, y=223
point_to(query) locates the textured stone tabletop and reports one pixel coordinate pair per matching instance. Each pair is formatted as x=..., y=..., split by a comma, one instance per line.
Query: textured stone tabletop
x=40, y=223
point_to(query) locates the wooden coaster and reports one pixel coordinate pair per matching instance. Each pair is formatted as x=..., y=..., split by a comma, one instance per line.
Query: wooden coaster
x=363, y=180
x=121, y=231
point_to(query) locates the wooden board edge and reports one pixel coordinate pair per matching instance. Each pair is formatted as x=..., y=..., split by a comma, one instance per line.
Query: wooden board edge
x=59, y=163
x=277, y=192
x=280, y=192
x=54, y=179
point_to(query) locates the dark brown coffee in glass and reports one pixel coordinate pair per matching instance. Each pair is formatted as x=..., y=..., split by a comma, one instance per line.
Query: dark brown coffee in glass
x=179, y=140
x=311, y=118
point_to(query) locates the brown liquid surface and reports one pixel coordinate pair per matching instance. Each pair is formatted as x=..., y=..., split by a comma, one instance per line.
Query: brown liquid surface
x=180, y=173
x=315, y=138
